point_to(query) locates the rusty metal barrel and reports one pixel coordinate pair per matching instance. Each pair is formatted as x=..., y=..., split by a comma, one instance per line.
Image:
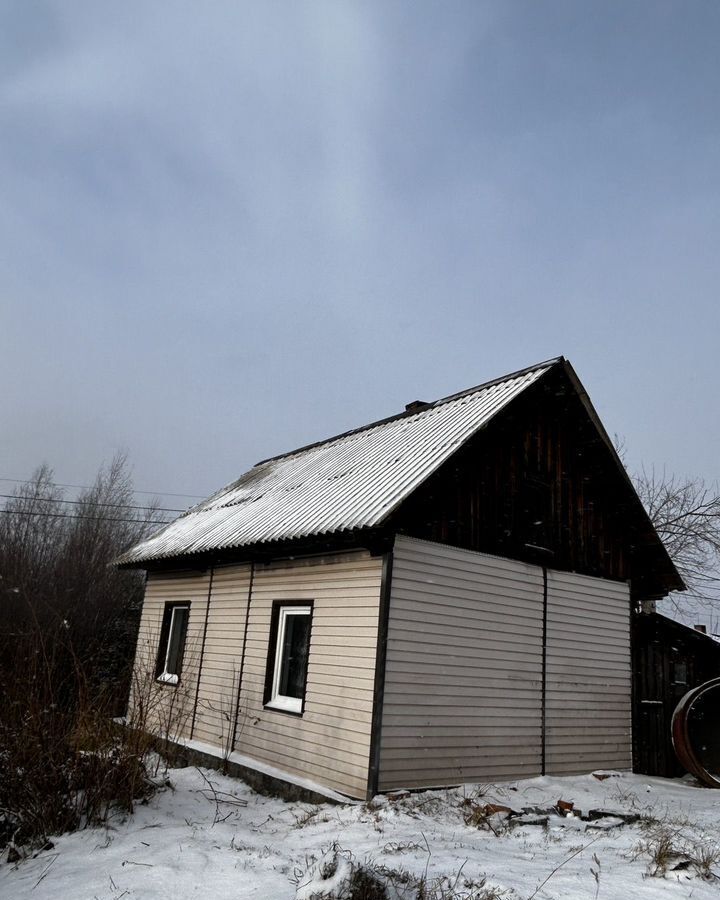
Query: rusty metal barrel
x=696, y=732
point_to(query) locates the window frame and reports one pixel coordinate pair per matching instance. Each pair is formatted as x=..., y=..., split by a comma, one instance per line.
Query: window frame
x=272, y=699
x=162, y=675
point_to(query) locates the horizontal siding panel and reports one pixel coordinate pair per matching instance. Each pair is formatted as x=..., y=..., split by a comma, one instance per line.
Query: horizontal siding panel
x=612, y=635
x=331, y=618
x=577, y=669
x=614, y=661
x=323, y=646
x=580, y=584
x=361, y=713
x=596, y=715
x=348, y=780
x=414, y=662
x=590, y=693
x=171, y=706
x=587, y=605
x=460, y=593
x=461, y=691
x=330, y=742
x=312, y=753
x=456, y=564
x=463, y=668
x=464, y=665
x=611, y=750
x=449, y=774
x=491, y=643
x=423, y=714
x=283, y=728
x=314, y=746
x=495, y=619
x=222, y=659
x=485, y=758
x=580, y=766
x=610, y=617
x=450, y=739
x=589, y=674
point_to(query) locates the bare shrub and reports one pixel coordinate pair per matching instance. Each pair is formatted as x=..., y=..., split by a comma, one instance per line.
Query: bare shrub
x=66, y=647
x=64, y=763
x=164, y=711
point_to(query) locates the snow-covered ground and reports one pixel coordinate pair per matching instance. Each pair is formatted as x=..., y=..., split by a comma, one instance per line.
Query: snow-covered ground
x=199, y=839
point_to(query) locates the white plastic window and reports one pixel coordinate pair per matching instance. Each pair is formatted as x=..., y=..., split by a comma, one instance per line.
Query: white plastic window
x=171, y=653
x=291, y=659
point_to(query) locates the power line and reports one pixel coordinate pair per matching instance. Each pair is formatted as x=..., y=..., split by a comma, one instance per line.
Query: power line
x=89, y=487
x=20, y=512
x=92, y=503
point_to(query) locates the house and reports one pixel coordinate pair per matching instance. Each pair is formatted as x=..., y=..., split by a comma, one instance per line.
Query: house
x=442, y=596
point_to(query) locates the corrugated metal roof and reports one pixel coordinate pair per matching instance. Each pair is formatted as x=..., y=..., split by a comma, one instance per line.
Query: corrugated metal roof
x=347, y=482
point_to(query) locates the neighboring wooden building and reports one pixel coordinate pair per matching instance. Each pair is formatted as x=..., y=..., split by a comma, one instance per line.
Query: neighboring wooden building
x=443, y=596
x=669, y=659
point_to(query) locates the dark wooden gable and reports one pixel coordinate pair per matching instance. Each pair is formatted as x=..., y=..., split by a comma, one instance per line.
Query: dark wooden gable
x=541, y=484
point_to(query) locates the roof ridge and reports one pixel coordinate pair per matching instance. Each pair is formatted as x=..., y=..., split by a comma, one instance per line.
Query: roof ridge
x=406, y=414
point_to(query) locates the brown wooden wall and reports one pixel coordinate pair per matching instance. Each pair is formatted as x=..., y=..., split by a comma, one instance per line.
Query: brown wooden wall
x=668, y=660
x=540, y=485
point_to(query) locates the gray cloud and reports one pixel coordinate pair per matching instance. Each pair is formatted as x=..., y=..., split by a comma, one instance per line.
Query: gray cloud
x=227, y=230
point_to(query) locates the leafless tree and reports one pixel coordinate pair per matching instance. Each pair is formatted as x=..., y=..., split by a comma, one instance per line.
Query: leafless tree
x=67, y=640
x=55, y=566
x=686, y=515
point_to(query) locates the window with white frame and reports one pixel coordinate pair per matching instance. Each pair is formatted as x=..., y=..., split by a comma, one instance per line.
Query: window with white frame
x=172, y=642
x=288, y=656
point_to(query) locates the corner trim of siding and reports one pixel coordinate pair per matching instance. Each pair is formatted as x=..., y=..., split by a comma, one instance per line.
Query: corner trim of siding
x=242, y=658
x=202, y=653
x=379, y=685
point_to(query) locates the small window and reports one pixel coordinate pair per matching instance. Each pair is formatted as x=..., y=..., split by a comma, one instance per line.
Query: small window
x=680, y=673
x=288, y=656
x=172, y=643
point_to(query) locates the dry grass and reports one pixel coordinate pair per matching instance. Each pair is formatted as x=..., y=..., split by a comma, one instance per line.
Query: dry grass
x=668, y=849
x=371, y=881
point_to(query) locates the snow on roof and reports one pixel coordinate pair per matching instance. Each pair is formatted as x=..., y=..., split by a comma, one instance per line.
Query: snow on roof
x=351, y=481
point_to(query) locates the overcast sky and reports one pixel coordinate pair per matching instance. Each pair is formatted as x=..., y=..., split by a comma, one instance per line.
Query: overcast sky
x=228, y=229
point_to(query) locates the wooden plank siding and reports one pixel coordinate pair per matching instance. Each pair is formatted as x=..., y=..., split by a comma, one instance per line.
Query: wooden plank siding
x=588, y=685
x=538, y=484
x=463, y=687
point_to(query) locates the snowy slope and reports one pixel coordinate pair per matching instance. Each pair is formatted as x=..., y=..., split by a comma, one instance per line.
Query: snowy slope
x=187, y=843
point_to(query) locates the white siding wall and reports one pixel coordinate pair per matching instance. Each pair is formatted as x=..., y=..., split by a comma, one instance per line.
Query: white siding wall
x=463, y=672
x=463, y=686
x=463, y=683
x=330, y=743
x=221, y=661
x=169, y=708
x=588, y=712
